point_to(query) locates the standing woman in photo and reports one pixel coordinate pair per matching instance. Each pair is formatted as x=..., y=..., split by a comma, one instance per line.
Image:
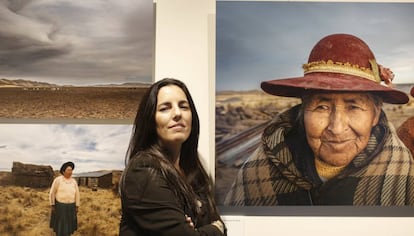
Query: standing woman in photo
x=164, y=188
x=64, y=199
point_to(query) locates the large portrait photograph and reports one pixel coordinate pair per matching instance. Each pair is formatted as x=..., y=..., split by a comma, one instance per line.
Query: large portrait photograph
x=314, y=107
x=72, y=74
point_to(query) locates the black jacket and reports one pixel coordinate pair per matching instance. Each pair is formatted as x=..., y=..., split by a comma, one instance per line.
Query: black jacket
x=150, y=206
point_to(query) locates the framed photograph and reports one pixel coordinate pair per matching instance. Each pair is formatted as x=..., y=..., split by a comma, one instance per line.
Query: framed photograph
x=74, y=60
x=265, y=40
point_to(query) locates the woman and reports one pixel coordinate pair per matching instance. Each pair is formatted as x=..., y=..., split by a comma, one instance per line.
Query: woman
x=64, y=199
x=164, y=188
x=337, y=147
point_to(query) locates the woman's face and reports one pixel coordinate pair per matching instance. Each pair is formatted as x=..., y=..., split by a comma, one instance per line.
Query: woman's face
x=338, y=125
x=173, y=116
x=68, y=172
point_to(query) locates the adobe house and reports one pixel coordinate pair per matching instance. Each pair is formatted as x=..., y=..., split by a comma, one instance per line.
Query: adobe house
x=29, y=175
x=101, y=179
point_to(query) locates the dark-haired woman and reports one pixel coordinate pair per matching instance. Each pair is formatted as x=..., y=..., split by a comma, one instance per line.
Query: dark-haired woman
x=64, y=199
x=164, y=189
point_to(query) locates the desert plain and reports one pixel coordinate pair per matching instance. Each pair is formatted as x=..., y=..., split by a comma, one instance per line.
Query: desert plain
x=70, y=103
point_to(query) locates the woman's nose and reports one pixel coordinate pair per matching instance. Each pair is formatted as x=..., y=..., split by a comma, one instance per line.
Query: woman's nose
x=176, y=112
x=338, y=121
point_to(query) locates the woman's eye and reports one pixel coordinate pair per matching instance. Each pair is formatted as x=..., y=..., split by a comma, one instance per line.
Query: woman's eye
x=322, y=108
x=354, y=107
x=184, y=106
x=163, y=108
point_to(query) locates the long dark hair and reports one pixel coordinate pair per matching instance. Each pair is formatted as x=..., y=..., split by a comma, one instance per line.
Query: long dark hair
x=144, y=138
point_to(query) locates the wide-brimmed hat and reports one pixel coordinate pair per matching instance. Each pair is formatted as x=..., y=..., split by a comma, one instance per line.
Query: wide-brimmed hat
x=66, y=165
x=340, y=63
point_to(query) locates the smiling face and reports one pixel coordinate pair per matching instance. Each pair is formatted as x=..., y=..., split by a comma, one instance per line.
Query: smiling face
x=172, y=117
x=338, y=125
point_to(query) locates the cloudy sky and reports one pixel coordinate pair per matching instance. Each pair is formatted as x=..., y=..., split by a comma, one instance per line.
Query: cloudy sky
x=259, y=41
x=77, y=42
x=90, y=147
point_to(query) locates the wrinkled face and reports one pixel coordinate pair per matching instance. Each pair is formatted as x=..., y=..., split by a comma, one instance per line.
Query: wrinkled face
x=173, y=116
x=338, y=125
x=68, y=172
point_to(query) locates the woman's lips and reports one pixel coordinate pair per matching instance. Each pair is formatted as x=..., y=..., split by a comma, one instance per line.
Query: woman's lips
x=177, y=126
x=337, y=144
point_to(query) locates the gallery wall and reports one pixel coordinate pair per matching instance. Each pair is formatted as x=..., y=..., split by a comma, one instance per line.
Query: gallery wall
x=185, y=49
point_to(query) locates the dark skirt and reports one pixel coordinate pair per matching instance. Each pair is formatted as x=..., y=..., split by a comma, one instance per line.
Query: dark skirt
x=63, y=219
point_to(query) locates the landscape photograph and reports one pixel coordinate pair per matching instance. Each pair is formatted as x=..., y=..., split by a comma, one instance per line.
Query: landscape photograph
x=74, y=59
x=259, y=41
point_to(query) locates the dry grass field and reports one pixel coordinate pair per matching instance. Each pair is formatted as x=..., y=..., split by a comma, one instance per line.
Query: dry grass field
x=238, y=111
x=119, y=103
x=26, y=211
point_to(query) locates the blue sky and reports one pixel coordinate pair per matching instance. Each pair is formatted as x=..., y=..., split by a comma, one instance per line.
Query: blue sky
x=77, y=42
x=90, y=147
x=257, y=41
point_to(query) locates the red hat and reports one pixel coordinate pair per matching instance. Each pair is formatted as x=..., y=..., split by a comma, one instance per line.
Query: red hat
x=412, y=91
x=341, y=63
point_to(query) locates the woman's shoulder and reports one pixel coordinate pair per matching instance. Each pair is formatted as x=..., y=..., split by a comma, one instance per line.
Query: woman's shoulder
x=58, y=178
x=144, y=160
x=141, y=170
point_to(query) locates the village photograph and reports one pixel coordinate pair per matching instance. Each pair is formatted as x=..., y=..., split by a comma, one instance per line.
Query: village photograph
x=25, y=208
x=31, y=157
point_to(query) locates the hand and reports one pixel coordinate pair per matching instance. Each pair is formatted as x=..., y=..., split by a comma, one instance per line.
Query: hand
x=189, y=221
x=77, y=209
x=52, y=207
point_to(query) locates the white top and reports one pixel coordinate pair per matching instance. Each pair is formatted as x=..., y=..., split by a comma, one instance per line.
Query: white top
x=64, y=190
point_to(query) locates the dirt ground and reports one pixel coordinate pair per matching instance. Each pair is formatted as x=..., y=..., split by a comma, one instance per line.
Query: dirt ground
x=106, y=103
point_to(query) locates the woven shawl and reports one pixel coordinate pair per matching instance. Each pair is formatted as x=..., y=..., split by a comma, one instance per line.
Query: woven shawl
x=385, y=169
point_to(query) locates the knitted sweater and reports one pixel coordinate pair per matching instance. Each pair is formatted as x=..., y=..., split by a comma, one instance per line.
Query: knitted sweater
x=64, y=191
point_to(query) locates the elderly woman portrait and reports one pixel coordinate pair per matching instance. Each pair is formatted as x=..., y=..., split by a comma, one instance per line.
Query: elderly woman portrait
x=336, y=147
x=64, y=199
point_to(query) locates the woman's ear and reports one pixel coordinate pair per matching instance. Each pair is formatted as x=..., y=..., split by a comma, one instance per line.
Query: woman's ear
x=377, y=111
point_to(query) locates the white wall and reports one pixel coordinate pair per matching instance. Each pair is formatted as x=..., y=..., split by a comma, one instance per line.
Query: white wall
x=185, y=49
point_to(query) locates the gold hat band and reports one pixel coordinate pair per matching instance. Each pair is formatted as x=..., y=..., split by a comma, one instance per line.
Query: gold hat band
x=343, y=68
